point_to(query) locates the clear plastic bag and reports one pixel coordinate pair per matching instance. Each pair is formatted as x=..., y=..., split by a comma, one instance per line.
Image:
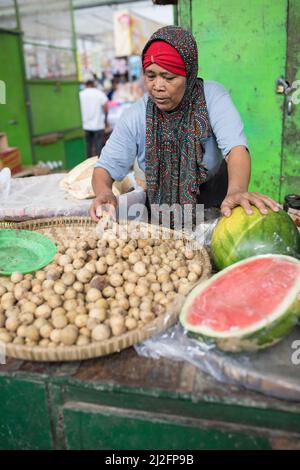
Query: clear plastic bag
x=131, y=205
x=203, y=232
x=274, y=371
x=235, y=357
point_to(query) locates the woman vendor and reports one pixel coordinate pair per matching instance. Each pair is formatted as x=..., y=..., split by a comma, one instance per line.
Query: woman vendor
x=185, y=133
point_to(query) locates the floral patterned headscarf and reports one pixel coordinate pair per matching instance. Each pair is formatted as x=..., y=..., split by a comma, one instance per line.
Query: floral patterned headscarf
x=174, y=140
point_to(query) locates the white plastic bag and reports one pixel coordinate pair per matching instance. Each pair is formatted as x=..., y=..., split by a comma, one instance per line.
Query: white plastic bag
x=78, y=181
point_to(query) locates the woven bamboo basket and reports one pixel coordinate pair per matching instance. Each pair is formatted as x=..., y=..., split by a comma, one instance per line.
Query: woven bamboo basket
x=58, y=229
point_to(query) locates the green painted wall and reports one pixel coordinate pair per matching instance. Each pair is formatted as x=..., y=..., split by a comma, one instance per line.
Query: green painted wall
x=87, y=427
x=68, y=148
x=291, y=130
x=13, y=114
x=55, y=106
x=243, y=46
x=55, y=109
x=24, y=421
x=100, y=404
x=75, y=152
x=51, y=151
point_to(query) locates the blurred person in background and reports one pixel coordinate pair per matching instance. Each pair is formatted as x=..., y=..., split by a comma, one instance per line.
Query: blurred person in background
x=114, y=87
x=93, y=103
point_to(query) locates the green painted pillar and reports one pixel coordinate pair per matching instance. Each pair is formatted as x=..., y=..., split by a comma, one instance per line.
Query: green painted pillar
x=243, y=46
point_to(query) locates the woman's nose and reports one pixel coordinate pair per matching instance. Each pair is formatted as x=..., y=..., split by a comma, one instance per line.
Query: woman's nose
x=159, y=83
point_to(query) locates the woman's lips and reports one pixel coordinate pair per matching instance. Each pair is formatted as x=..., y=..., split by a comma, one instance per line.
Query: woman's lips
x=161, y=100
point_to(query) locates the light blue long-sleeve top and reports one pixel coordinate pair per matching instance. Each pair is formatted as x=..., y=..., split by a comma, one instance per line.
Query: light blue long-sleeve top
x=128, y=139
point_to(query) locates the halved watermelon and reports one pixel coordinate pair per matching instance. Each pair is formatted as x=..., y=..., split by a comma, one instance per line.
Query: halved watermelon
x=247, y=306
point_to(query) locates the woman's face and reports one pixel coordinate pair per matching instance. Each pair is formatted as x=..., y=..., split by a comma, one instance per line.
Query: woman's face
x=165, y=88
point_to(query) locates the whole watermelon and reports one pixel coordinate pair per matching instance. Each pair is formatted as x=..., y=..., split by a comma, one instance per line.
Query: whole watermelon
x=241, y=235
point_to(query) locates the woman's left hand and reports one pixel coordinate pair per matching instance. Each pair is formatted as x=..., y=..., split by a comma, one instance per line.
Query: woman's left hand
x=245, y=199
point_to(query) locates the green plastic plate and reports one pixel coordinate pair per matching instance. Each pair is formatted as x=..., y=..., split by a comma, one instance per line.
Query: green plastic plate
x=24, y=251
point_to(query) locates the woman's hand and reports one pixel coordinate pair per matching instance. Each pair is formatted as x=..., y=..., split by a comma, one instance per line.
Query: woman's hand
x=239, y=164
x=246, y=199
x=106, y=201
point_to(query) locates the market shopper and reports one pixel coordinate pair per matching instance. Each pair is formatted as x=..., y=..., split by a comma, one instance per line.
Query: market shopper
x=185, y=133
x=93, y=110
x=114, y=86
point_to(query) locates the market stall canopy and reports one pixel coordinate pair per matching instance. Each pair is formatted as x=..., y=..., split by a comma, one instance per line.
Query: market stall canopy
x=94, y=3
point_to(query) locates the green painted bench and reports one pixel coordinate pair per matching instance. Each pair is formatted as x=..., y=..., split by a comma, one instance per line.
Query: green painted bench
x=124, y=401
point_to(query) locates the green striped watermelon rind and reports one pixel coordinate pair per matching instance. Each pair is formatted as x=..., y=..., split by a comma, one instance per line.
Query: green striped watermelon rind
x=271, y=335
x=264, y=337
x=261, y=234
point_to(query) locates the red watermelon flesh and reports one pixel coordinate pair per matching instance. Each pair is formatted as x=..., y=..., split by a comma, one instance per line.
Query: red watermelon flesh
x=248, y=294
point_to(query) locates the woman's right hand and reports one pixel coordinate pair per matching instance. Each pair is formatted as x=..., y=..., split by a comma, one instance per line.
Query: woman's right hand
x=108, y=200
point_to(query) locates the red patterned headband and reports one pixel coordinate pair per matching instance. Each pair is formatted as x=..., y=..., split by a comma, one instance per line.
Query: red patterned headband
x=166, y=56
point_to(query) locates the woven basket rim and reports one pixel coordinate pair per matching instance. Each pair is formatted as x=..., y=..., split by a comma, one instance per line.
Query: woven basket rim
x=114, y=344
x=49, y=222
x=96, y=348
